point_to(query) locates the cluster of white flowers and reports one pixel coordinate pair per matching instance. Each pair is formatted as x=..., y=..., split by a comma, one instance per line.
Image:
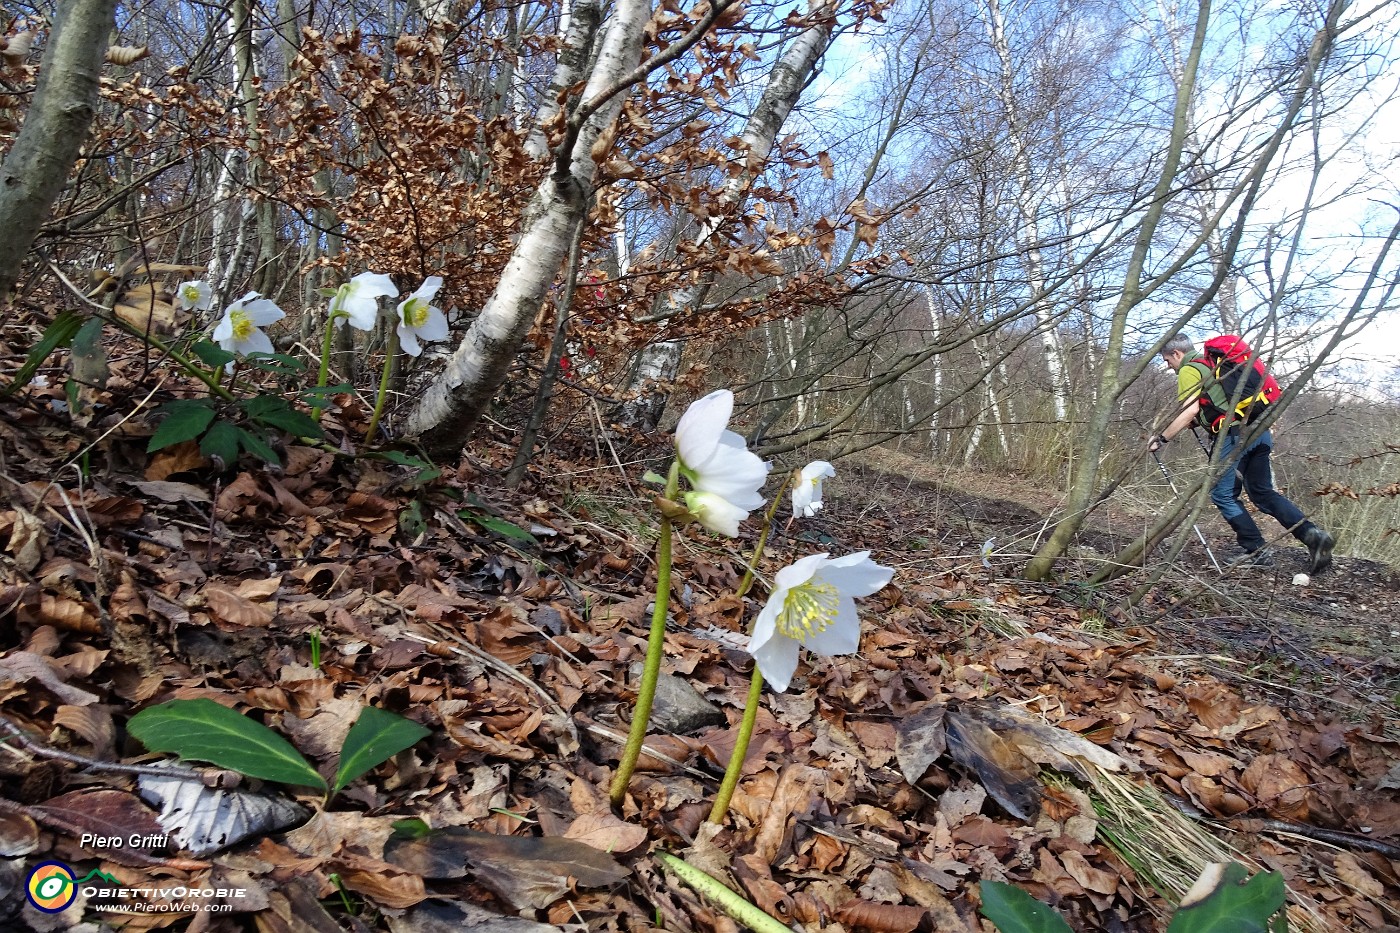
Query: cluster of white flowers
x=356, y=303
x=416, y=318
x=813, y=600
x=724, y=475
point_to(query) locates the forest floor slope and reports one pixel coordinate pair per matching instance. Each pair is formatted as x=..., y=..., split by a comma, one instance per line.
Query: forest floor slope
x=510, y=625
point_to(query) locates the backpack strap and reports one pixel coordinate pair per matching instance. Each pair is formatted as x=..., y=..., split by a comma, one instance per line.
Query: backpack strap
x=1209, y=394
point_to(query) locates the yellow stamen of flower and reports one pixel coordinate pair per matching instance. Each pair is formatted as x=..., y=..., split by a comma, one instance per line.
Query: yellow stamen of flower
x=415, y=312
x=243, y=327
x=808, y=609
x=190, y=293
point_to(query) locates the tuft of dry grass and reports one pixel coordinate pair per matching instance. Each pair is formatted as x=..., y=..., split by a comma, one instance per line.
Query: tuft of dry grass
x=1168, y=850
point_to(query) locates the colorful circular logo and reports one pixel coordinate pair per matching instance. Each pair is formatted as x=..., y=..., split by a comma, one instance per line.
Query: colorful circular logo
x=51, y=887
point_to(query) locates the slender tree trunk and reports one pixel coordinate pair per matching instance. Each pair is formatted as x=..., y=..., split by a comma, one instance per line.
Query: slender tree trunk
x=453, y=402
x=1028, y=204
x=54, y=129
x=1082, y=489
x=936, y=377
x=227, y=213
x=794, y=370
x=265, y=212
x=550, y=372
x=991, y=412
x=579, y=28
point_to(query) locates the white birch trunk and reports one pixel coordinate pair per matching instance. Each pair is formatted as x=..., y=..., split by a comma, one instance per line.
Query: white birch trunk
x=620, y=247
x=566, y=15
x=454, y=401
x=660, y=362
x=1028, y=206
x=578, y=27
x=988, y=410
x=994, y=397
x=228, y=215
x=801, y=400
x=934, y=362
x=974, y=439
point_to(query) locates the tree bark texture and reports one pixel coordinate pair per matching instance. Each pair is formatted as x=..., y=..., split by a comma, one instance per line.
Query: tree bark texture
x=54, y=129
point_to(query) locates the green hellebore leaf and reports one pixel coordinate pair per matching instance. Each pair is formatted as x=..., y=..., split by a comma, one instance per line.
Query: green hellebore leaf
x=211, y=354
x=411, y=828
x=1221, y=901
x=278, y=363
x=58, y=334
x=500, y=526
x=276, y=412
x=185, y=419
x=1015, y=911
x=221, y=443
x=257, y=445
x=202, y=730
x=376, y=736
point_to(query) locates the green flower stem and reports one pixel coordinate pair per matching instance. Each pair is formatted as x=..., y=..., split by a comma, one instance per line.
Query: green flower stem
x=651, y=668
x=324, y=375
x=391, y=352
x=741, y=749
x=747, y=582
x=730, y=901
x=746, y=725
x=211, y=379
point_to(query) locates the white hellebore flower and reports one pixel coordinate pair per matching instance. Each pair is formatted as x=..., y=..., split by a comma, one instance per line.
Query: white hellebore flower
x=807, y=491
x=813, y=606
x=195, y=296
x=239, y=332
x=418, y=319
x=357, y=301
x=715, y=512
x=725, y=474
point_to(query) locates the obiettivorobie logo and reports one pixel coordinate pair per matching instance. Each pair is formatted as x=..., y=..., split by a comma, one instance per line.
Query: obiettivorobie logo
x=52, y=887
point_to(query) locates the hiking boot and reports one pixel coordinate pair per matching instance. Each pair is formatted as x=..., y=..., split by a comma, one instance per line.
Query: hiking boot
x=1319, y=545
x=1241, y=557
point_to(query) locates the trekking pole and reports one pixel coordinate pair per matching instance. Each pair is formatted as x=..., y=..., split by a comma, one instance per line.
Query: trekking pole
x=1197, y=528
x=1205, y=449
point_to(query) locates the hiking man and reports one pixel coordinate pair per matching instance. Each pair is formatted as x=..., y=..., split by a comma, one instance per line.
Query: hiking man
x=1253, y=465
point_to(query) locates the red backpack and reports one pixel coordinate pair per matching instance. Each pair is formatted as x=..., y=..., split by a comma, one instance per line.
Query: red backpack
x=1231, y=360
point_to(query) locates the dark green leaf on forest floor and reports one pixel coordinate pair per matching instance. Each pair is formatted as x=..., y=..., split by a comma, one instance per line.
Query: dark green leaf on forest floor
x=202, y=730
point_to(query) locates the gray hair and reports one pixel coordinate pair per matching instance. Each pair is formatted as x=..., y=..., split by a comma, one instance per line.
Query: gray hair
x=1180, y=342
